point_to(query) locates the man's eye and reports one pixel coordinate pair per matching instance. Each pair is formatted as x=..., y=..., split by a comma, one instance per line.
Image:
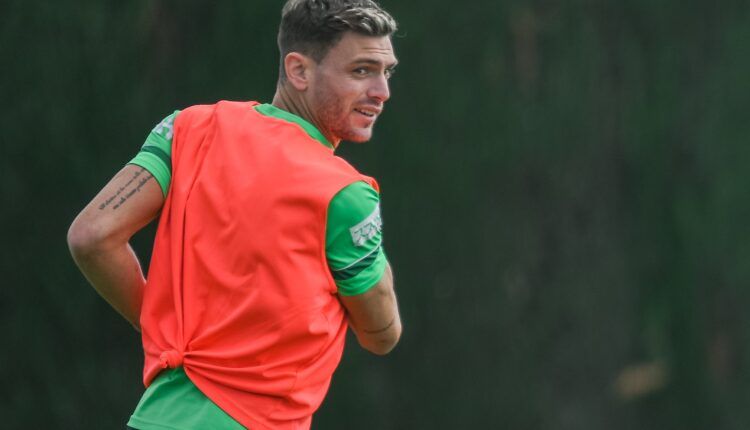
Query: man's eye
x=360, y=72
x=389, y=73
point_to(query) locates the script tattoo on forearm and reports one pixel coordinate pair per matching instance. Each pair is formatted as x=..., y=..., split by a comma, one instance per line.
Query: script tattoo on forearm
x=125, y=192
x=382, y=329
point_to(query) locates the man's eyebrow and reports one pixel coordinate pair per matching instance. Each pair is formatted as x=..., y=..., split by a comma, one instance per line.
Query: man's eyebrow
x=375, y=62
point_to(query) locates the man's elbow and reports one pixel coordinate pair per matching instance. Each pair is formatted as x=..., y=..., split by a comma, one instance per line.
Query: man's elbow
x=87, y=238
x=384, y=343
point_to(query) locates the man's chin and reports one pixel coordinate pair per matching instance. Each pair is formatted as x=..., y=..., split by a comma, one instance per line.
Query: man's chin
x=357, y=136
x=358, y=140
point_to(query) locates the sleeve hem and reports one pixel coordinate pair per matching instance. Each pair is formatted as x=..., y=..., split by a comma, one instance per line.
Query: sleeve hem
x=356, y=290
x=156, y=167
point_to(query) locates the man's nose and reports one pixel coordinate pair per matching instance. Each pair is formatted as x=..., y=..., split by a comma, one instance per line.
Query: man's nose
x=379, y=89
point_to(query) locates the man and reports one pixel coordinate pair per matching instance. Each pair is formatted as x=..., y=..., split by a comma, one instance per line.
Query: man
x=268, y=245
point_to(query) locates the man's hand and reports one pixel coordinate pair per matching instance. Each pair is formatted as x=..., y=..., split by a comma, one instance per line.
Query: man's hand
x=374, y=315
x=98, y=238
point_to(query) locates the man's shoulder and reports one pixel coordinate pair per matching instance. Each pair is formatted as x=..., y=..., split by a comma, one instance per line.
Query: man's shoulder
x=221, y=106
x=357, y=199
x=234, y=104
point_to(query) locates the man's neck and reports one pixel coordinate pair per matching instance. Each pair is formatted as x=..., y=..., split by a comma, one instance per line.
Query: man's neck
x=292, y=103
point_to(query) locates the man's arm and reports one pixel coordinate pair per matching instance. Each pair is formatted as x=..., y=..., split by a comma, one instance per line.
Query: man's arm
x=374, y=315
x=98, y=238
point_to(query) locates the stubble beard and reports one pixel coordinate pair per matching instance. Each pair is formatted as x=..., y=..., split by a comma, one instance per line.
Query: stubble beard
x=334, y=118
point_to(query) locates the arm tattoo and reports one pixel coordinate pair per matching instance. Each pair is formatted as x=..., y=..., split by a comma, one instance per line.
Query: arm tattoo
x=125, y=192
x=382, y=329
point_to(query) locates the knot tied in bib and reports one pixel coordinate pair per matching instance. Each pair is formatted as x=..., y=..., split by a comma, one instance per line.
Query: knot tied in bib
x=171, y=359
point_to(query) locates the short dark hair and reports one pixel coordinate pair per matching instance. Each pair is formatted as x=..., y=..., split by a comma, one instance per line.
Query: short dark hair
x=313, y=27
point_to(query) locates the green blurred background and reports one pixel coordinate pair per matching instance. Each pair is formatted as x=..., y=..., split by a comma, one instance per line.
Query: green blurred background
x=563, y=188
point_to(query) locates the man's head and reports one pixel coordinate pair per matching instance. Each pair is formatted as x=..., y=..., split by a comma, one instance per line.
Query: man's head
x=313, y=27
x=336, y=58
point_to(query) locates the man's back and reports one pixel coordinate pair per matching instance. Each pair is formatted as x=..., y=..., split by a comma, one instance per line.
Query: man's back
x=239, y=292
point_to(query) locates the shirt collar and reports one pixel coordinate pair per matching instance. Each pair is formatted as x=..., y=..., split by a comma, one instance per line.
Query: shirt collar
x=271, y=110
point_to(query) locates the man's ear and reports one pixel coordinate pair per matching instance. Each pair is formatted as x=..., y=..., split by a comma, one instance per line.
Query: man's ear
x=298, y=68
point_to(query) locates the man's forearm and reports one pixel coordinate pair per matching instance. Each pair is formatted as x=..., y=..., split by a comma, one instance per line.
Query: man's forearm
x=115, y=274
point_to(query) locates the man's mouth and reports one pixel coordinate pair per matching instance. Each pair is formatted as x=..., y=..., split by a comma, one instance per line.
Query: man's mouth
x=370, y=113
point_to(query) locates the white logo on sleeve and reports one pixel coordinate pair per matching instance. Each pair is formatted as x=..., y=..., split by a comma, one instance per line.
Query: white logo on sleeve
x=368, y=228
x=165, y=127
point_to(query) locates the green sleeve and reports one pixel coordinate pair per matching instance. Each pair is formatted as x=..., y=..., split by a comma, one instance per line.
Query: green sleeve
x=156, y=152
x=353, y=239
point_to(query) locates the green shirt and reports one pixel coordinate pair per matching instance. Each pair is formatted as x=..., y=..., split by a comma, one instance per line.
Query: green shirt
x=353, y=249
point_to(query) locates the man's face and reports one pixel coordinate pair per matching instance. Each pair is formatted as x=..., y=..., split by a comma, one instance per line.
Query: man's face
x=349, y=86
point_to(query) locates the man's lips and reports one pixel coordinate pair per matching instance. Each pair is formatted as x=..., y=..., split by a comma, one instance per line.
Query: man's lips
x=369, y=112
